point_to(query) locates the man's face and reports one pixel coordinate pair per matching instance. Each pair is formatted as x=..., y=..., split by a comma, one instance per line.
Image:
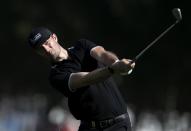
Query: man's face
x=50, y=48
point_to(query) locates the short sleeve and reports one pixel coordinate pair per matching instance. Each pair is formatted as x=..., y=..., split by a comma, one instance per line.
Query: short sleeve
x=87, y=45
x=81, y=49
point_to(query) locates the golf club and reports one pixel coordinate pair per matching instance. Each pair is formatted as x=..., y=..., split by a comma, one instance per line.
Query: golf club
x=177, y=14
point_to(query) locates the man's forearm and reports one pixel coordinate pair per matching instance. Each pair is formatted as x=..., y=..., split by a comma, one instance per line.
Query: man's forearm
x=82, y=79
x=108, y=58
x=103, y=56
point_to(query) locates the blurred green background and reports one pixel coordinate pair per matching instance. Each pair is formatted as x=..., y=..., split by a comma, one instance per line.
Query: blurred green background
x=161, y=80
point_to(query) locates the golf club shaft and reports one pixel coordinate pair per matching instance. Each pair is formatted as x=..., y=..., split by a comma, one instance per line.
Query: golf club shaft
x=177, y=14
x=152, y=43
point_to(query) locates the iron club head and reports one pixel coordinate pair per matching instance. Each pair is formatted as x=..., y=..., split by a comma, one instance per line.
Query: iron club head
x=177, y=14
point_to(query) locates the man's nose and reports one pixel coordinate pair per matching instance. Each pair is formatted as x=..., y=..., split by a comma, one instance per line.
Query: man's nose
x=46, y=47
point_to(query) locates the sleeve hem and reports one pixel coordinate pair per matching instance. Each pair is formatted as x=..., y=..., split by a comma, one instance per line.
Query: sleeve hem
x=72, y=90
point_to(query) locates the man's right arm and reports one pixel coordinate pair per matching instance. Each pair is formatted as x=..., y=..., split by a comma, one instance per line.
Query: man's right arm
x=81, y=79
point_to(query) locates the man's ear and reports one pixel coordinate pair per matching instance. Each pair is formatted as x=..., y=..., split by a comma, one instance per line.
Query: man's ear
x=54, y=36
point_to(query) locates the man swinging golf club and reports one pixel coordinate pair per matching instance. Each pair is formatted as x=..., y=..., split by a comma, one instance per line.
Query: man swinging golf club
x=83, y=73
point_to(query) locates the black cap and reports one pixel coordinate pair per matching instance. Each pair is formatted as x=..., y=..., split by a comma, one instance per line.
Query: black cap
x=38, y=36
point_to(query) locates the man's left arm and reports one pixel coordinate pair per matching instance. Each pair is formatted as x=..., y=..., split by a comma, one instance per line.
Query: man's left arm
x=102, y=55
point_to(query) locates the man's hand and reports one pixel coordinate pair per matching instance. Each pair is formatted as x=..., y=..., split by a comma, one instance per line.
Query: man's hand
x=123, y=66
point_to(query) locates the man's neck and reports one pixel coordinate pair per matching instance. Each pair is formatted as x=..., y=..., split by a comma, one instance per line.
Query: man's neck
x=63, y=55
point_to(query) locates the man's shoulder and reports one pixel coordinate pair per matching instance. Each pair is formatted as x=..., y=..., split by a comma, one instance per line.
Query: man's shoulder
x=85, y=43
x=83, y=40
x=82, y=43
x=77, y=43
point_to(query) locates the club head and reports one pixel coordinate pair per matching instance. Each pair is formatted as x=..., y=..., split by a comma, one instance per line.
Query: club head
x=177, y=14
